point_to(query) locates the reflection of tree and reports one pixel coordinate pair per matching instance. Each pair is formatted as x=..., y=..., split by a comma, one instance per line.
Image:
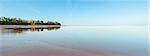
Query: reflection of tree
x=21, y=30
x=54, y=28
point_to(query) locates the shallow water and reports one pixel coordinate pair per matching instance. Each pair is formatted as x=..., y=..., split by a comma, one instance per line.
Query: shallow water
x=76, y=41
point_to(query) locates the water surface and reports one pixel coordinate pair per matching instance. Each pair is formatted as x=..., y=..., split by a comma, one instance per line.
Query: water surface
x=75, y=41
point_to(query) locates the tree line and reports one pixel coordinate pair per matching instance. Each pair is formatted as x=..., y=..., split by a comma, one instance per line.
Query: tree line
x=19, y=21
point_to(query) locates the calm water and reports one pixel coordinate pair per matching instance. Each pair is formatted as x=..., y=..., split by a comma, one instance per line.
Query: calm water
x=75, y=41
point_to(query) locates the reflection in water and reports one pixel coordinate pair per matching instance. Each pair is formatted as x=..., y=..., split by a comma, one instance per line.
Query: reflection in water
x=21, y=30
x=76, y=41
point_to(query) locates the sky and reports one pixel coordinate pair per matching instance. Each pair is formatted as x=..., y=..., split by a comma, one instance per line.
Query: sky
x=79, y=12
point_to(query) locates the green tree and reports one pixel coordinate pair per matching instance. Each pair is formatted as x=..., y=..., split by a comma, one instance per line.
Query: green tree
x=20, y=20
x=14, y=19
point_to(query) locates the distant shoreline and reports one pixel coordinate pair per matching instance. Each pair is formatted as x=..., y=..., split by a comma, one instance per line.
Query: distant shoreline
x=29, y=26
x=19, y=21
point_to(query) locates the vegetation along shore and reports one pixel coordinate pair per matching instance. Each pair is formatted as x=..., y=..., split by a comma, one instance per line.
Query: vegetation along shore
x=19, y=21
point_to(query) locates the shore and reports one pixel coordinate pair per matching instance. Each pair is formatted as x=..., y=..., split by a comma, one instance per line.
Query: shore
x=28, y=26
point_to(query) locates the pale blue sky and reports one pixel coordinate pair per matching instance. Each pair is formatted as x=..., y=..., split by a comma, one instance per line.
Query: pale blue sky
x=79, y=12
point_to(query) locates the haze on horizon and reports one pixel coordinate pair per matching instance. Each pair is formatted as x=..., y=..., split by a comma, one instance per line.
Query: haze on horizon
x=79, y=12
